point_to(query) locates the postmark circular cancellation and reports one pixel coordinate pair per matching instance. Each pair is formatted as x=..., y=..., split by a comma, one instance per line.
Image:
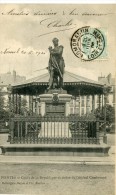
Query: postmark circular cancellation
x=87, y=43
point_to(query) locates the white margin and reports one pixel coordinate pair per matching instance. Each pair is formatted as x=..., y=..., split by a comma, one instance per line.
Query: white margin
x=59, y=1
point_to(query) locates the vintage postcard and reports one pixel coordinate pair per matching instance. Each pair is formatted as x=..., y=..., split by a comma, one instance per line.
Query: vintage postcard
x=57, y=99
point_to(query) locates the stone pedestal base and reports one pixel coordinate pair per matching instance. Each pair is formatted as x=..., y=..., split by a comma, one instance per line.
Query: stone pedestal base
x=55, y=150
x=58, y=98
x=105, y=139
x=59, y=91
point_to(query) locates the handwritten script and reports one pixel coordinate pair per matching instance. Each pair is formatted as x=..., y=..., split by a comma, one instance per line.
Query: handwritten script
x=50, y=20
x=73, y=12
x=21, y=51
x=56, y=21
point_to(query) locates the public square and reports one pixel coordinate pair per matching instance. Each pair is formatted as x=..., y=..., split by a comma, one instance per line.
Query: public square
x=57, y=99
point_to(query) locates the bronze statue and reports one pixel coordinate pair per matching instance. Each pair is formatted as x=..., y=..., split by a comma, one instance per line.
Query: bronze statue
x=56, y=65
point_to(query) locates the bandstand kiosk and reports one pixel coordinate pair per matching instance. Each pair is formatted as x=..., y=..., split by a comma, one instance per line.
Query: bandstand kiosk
x=48, y=127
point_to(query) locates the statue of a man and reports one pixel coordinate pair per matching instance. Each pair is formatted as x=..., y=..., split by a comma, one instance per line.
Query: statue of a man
x=56, y=65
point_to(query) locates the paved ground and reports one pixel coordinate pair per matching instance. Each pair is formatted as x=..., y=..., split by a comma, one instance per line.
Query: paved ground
x=3, y=138
x=111, y=138
x=79, y=160
x=56, y=179
x=58, y=175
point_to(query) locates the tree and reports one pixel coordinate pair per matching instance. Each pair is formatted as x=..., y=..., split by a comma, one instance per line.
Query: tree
x=2, y=106
x=110, y=113
x=24, y=108
x=12, y=106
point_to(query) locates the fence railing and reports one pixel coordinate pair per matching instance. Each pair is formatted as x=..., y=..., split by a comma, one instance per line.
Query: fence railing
x=54, y=130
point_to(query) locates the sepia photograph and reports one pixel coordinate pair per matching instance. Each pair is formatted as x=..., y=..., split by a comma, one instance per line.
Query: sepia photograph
x=57, y=99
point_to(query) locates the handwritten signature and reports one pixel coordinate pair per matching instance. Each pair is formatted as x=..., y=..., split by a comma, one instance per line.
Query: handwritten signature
x=58, y=24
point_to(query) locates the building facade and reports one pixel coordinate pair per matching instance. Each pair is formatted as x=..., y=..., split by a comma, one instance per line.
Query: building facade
x=109, y=80
x=9, y=79
x=83, y=104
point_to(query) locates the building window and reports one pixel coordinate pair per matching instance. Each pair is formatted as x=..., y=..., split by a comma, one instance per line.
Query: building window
x=88, y=110
x=77, y=103
x=71, y=111
x=77, y=99
x=71, y=103
x=97, y=99
x=88, y=97
x=82, y=111
x=82, y=102
x=107, y=99
x=88, y=101
x=76, y=110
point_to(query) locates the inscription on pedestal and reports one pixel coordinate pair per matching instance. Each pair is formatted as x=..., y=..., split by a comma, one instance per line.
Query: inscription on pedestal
x=55, y=109
x=55, y=104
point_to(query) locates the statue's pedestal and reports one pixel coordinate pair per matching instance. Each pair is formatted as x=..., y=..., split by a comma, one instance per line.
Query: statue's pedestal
x=55, y=102
x=80, y=150
x=59, y=91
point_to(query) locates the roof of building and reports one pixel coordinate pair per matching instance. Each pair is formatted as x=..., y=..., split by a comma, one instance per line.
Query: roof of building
x=68, y=78
x=72, y=83
x=108, y=80
x=10, y=78
x=104, y=80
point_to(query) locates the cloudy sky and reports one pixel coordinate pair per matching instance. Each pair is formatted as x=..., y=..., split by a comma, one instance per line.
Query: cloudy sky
x=26, y=32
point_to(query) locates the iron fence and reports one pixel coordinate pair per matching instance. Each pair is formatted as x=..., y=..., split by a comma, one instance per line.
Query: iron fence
x=54, y=130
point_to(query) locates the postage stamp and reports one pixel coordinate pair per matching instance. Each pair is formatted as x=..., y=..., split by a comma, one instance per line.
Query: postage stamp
x=87, y=43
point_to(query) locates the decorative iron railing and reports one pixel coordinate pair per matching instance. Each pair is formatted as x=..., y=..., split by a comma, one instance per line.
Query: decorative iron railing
x=54, y=130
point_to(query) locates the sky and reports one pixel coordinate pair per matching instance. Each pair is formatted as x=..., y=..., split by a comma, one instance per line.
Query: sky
x=26, y=32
